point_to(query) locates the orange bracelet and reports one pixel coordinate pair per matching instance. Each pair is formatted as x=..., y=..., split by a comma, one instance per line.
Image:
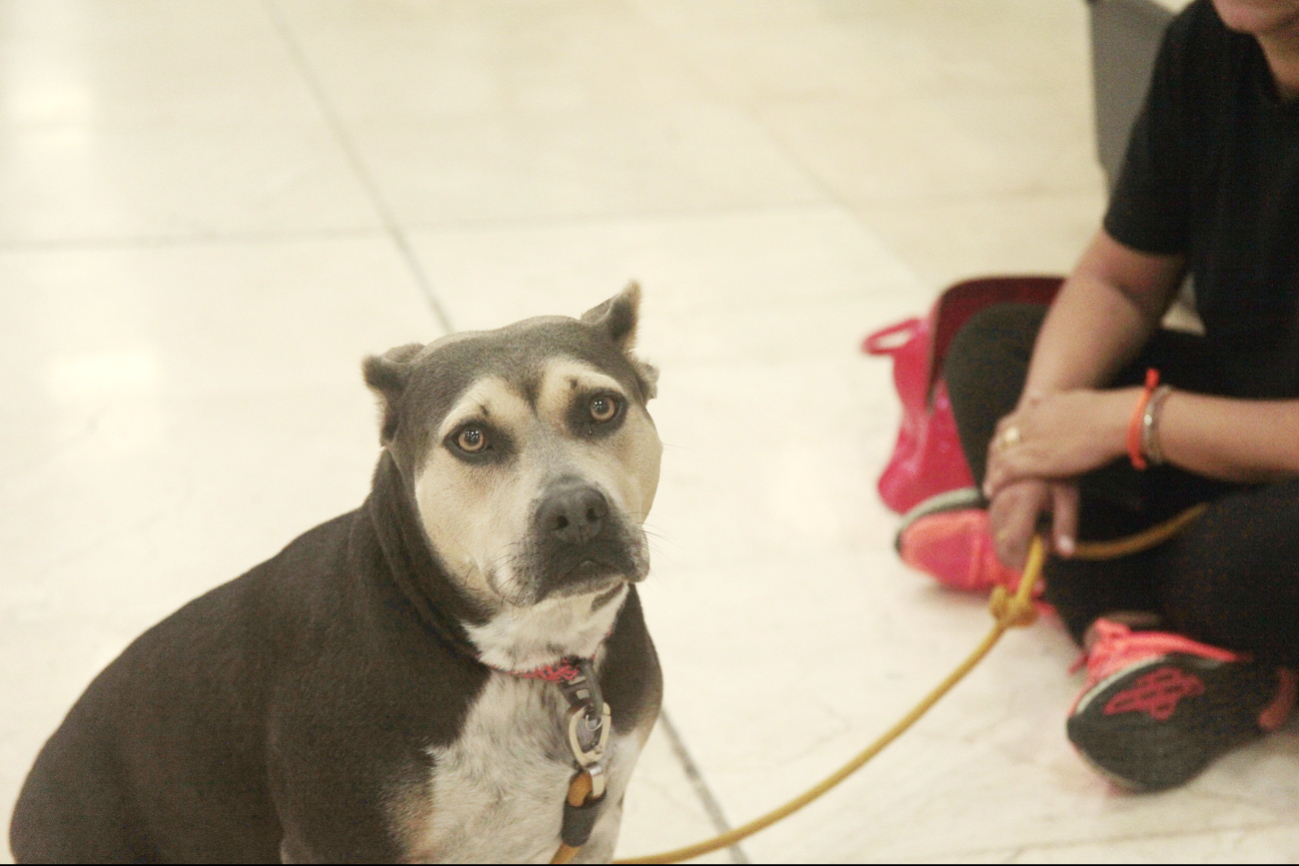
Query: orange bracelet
x=1135, y=426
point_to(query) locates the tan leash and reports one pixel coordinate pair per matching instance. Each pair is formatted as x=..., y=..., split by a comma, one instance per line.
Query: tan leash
x=579, y=796
x=1008, y=610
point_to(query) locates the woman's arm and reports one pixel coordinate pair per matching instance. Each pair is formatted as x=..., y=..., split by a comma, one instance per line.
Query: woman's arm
x=1105, y=312
x=1063, y=426
x=1233, y=440
x=1063, y=435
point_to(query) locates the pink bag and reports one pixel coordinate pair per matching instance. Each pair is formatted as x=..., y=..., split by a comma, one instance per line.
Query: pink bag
x=927, y=457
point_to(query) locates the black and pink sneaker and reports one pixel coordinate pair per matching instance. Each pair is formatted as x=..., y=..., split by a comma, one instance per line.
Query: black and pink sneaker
x=1158, y=707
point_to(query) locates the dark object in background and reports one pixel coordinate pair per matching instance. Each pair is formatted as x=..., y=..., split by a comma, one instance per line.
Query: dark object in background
x=1125, y=40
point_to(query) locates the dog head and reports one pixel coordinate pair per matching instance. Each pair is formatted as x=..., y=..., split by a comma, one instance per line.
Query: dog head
x=533, y=463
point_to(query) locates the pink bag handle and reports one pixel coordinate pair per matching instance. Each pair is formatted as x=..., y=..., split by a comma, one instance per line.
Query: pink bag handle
x=891, y=339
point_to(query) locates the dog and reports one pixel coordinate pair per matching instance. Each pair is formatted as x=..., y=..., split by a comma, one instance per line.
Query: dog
x=421, y=679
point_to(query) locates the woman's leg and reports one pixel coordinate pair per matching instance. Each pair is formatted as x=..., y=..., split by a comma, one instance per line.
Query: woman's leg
x=1233, y=577
x=1158, y=707
x=985, y=372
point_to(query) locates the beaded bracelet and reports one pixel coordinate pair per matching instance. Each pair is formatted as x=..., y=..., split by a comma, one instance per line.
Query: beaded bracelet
x=1136, y=425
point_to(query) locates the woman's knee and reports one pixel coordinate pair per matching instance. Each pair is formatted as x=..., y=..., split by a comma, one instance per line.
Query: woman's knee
x=1234, y=579
x=985, y=368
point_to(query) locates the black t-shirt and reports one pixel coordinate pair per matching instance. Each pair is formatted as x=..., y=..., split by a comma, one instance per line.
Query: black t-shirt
x=1212, y=172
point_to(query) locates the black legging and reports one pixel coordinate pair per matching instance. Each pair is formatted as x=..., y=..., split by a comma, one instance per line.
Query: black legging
x=1231, y=580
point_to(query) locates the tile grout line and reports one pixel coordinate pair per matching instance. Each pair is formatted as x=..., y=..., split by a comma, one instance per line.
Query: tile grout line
x=696, y=778
x=335, y=123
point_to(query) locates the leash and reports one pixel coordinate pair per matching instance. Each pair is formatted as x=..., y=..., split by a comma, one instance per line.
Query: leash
x=1009, y=611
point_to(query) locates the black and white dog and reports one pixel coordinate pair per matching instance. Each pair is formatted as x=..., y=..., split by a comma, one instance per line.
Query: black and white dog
x=419, y=679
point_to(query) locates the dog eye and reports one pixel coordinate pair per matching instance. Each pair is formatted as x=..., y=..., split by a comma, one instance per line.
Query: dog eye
x=471, y=440
x=604, y=407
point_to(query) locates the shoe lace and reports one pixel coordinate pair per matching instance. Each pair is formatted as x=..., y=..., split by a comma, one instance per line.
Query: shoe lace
x=1100, y=655
x=1118, y=646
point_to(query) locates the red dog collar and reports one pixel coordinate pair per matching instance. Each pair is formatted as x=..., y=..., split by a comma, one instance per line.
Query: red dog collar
x=564, y=671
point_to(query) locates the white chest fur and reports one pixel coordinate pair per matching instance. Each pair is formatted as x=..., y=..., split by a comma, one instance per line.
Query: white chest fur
x=497, y=792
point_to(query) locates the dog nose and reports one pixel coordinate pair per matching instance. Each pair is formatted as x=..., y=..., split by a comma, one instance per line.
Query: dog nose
x=574, y=515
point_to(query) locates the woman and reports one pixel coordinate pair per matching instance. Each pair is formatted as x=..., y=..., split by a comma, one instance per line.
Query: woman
x=1190, y=644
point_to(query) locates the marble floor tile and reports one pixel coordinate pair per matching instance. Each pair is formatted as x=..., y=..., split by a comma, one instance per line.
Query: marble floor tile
x=600, y=162
x=543, y=111
x=703, y=276
x=85, y=182
x=405, y=61
x=951, y=240
x=956, y=146
x=160, y=120
x=179, y=319
x=1252, y=844
x=889, y=100
x=147, y=62
x=550, y=110
x=765, y=51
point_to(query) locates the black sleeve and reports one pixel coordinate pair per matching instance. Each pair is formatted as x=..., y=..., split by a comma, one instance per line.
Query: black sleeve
x=1149, y=210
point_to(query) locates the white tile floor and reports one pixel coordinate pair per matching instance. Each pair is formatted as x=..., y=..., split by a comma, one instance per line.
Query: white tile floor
x=214, y=208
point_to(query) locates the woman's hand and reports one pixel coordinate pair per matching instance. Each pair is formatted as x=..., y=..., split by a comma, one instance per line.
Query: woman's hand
x=1037, y=452
x=1058, y=437
x=1013, y=516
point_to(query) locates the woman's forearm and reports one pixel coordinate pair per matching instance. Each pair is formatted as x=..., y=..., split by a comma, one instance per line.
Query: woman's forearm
x=1069, y=433
x=1105, y=313
x=1245, y=441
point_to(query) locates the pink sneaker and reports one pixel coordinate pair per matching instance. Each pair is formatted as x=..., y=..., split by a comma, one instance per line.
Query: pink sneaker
x=1158, y=707
x=947, y=537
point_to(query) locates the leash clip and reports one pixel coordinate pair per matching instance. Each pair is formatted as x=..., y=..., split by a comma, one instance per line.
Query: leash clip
x=588, y=737
x=589, y=721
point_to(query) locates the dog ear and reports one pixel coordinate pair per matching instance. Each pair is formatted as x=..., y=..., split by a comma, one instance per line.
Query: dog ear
x=387, y=375
x=649, y=377
x=618, y=317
